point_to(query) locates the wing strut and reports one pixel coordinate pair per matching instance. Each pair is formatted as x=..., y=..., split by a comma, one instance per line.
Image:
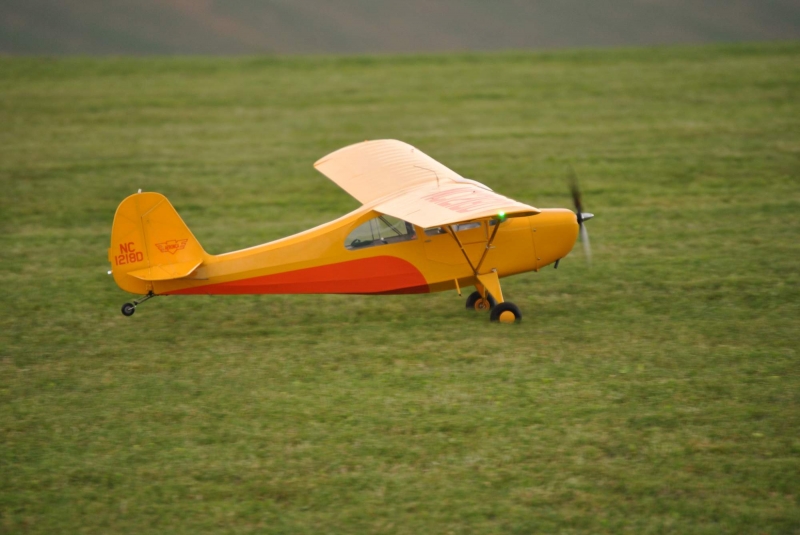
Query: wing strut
x=488, y=246
x=490, y=277
x=452, y=233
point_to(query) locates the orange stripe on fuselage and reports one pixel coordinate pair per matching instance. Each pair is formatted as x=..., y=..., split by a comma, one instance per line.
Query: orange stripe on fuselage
x=376, y=275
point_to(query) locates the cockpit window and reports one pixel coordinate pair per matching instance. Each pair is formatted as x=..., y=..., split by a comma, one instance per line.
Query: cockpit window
x=382, y=230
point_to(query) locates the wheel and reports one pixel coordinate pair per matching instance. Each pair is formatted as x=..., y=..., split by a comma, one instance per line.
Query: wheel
x=128, y=309
x=506, y=313
x=476, y=302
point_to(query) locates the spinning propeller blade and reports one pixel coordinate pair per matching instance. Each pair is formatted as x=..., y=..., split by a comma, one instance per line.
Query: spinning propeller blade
x=587, y=248
x=581, y=215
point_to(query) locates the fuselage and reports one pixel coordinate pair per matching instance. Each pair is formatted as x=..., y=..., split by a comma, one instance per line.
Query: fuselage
x=416, y=261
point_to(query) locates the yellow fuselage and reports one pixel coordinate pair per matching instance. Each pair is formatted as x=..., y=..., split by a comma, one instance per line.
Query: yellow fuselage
x=317, y=261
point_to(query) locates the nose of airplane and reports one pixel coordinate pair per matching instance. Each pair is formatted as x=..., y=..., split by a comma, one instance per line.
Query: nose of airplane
x=554, y=232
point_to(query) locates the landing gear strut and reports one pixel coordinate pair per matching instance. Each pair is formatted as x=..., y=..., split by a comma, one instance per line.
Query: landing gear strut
x=129, y=308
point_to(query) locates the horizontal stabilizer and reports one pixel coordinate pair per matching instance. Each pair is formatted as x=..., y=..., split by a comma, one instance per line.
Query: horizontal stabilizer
x=166, y=271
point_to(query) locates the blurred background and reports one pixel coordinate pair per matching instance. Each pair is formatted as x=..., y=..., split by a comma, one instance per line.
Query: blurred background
x=102, y=27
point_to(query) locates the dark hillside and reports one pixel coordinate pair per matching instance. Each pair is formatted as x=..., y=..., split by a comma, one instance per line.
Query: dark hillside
x=364, y=26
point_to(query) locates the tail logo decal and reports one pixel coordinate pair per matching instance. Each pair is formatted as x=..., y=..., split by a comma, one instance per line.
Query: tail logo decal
x=172, y=246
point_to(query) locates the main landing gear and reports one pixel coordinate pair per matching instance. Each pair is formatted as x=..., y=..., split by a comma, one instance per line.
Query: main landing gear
x=505, y=312
x=488, y=295
x=129, y=308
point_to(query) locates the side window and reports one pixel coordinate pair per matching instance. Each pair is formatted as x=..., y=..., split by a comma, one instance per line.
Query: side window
x=435, y=231
x=382, y=230
x=467, y=226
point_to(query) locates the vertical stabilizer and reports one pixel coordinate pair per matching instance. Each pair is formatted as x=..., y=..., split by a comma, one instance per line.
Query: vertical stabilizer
x=150, y=242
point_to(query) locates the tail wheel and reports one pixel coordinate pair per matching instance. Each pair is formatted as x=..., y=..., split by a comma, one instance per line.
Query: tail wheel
x=128, y=309
x=475, y=301
x=506, y=312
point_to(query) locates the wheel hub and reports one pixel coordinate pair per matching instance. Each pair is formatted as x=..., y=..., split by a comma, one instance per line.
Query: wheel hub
x=507, y=317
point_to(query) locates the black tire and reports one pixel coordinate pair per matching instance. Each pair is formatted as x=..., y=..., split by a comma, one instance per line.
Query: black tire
x=474, y=302
x=499, y=310
x=128, y=309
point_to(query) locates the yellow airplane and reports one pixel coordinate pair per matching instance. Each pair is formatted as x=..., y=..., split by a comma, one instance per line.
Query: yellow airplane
x=421, y=228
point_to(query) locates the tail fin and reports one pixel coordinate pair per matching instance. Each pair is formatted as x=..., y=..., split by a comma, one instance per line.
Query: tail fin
x=149, y=243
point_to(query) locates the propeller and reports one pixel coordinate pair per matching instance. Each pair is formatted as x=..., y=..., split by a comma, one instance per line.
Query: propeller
x=582, y=216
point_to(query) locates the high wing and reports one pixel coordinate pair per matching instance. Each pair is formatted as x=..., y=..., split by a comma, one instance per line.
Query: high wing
x=402, y=181
x=375, y=169
x=432, y=206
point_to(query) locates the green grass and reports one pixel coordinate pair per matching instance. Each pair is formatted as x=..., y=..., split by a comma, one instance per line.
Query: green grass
x=657, y=392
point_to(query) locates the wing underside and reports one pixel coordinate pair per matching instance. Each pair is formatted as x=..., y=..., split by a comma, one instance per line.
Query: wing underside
x=455, y=203
x=402, y=181
x=374, y=169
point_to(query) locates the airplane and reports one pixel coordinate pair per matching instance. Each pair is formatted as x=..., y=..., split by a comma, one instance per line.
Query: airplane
x=421, y=228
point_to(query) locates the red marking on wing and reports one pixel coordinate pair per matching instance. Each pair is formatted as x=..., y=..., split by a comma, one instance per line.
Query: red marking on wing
x=376, y=275
x=463, y=200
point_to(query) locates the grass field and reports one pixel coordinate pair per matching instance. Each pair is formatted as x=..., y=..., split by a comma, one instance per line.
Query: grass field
x=657, y=392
